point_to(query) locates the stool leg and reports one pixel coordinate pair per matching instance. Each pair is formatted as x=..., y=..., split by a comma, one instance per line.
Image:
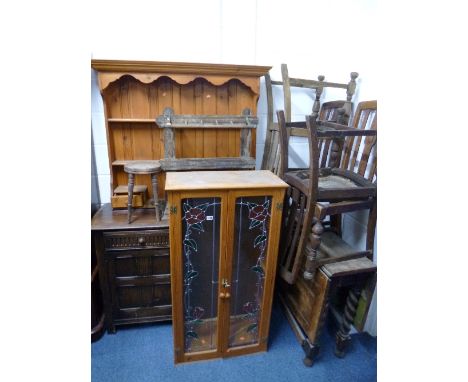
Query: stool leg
x=154, y=181
x=131, y=183
x=342, y=336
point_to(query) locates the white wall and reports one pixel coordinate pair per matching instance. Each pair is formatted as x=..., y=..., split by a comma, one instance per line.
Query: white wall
x=331, y=38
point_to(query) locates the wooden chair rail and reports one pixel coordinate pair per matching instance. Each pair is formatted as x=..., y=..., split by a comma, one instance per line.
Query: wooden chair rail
x=323, y=210
x=327, y=130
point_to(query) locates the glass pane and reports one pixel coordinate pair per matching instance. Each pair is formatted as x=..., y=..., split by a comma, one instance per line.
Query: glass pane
x=200, y=237
x=251, y=226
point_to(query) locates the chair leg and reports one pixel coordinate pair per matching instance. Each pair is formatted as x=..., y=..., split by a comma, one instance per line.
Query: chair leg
x=311, y=249
x=131, y=183
x=342, y=336
x=154, y=181
x=371, y=223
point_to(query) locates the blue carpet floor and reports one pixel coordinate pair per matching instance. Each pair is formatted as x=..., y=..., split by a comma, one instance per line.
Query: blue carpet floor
x=144, y=353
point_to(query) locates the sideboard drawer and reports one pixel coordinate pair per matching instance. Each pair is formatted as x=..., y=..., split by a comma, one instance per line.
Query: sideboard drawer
x=136, y=239
x=135, y=295
x=139, y=262
x=139, y=300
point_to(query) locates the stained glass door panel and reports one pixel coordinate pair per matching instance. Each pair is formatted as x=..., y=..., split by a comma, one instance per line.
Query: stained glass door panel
x=200, y=238
x=251, y=227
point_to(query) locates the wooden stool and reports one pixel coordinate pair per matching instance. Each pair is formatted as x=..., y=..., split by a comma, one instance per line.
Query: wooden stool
x=152, y=168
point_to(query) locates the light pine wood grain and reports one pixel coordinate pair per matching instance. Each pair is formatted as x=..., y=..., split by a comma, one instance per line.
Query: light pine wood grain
x=209, y=180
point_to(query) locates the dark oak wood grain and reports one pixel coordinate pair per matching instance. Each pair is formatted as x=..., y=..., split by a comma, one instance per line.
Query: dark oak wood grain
x=134, y=266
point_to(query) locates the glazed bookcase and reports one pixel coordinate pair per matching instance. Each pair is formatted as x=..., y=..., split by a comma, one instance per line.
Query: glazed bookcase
x=224, y=232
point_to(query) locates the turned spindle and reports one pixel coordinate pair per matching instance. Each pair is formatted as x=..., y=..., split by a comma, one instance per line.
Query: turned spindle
x=342, y=336
x=351, y=86
x=311, y=249
x=318, y=94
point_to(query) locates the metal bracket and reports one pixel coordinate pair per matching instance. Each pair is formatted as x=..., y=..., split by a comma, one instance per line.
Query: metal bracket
x=279, y=206
x=173, y=210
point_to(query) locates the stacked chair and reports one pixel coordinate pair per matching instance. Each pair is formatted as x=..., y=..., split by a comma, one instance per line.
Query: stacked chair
x=336, y=111
x=320, y=273
x=310, y=244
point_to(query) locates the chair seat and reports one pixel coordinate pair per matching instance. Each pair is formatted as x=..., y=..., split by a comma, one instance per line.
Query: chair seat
x=143, y=167
x=334, y=184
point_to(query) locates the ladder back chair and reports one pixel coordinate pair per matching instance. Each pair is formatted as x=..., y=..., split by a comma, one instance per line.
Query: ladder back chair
x=317, y=193
x=335, y=111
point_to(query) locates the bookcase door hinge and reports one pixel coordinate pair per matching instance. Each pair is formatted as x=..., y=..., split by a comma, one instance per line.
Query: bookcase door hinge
x=279, y=206
x=173, y=210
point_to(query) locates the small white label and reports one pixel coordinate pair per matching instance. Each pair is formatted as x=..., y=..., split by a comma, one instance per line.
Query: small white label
x=209, y=218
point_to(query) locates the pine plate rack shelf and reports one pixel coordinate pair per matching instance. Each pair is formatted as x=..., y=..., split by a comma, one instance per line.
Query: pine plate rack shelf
x=135, y=93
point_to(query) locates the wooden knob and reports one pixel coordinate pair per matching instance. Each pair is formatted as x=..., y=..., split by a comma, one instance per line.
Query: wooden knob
x=141, y=240
x=222, y=295
x=227, y=295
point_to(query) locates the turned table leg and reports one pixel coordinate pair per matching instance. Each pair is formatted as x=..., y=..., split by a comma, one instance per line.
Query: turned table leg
x=342, y=336
x=154, y=181
x=131, y=183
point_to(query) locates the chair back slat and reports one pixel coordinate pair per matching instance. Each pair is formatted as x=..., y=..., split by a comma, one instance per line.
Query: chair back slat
x=359, y=153
x=277, y=157
x=333, y=111
x=286, y=92
x=368, y=154
x=296, y=215
x=273, y=151
x=269, y=137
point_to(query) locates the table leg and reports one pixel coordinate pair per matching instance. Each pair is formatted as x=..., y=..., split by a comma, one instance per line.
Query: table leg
x=342, y=336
